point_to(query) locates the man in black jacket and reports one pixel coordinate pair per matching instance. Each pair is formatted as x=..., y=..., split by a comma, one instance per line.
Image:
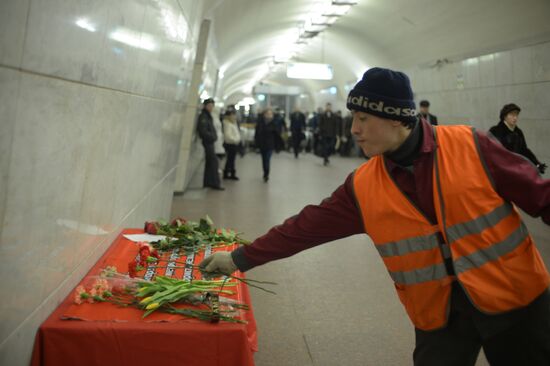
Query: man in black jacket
x=425, y=113
x=297, y=128
x=328, y=130
x=207, y=133
x=511, y=136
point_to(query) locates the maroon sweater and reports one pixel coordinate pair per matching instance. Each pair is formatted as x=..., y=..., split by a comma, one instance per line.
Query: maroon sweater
x=515, y=178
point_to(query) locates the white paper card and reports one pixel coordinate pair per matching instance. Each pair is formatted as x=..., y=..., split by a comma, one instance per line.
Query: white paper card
x=144, y=237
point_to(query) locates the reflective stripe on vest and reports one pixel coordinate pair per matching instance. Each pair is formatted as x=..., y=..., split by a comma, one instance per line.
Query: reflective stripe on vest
x=409, y=245
x=482, y=256
x=479, y=224
x=417, y=276
x=427, y=242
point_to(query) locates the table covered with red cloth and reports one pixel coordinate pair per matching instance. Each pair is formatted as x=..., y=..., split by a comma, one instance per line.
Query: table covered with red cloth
x=105, y=334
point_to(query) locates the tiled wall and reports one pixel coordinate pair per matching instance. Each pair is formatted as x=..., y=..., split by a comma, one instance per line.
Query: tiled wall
x=92, y=95
x=473, y=91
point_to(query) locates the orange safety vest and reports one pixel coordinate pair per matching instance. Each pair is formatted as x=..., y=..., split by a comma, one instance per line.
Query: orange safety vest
x=493, y=255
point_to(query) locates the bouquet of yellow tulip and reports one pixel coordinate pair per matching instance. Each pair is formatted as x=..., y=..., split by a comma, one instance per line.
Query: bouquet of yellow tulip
x=163, y=293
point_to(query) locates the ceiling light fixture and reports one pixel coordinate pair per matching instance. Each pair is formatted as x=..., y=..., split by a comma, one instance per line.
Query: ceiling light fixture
x=85, y=24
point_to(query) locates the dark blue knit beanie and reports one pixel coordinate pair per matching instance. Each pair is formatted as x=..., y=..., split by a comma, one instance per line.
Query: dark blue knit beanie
x=384, y=93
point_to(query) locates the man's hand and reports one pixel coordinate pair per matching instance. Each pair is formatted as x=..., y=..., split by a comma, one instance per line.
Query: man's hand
x=219, y=262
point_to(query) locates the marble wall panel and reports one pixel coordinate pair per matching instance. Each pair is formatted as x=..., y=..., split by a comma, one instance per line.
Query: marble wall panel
x=13, y=17
x=9, y=89
x=90, y=132
x=471, y=71
x=522, y=65
x=541, y=100
x=503, y=68
x=541, y=62
x=50, y=142
x=65, y=39
x=487, y=76
x=138, y=47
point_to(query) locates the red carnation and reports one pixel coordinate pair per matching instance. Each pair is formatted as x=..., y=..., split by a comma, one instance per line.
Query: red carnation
x=132, y=269
x=144, y=253
x=143, y=258
x=151, y=227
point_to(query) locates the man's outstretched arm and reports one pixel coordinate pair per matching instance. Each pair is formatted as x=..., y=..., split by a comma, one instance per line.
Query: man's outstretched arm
x=334, y=218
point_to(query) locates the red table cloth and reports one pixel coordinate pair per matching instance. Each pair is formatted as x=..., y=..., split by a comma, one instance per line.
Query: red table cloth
x=104, y=334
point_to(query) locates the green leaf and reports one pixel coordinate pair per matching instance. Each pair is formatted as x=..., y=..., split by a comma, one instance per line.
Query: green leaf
x=204, y=226
x=148, y=312
x=209, y=220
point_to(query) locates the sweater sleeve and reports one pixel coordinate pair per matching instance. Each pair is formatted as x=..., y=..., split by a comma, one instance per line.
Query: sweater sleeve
x=525, y=151
x=516, y=179
x=334, y=218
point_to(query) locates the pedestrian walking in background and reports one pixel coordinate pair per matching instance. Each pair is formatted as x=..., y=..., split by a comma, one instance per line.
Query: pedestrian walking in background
x=346, y=137
x=297, y=128
x=267, y=139
x=328, y=130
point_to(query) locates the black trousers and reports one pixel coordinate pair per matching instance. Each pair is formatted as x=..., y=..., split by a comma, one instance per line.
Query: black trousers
x=328, y=146
x=211, y=176
x=296, y=140
x=523, y=340
x=266, y=158
x=231, y=151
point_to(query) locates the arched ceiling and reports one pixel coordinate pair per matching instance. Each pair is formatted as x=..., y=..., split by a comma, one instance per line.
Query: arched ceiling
x=391, y=33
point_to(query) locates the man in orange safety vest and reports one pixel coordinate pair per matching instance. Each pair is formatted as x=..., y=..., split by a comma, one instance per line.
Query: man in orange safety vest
x=439, y=203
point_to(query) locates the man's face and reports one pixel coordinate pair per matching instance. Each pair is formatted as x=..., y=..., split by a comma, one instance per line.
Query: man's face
x=512, y=118
x=375, y=135
x=268, y=115
x=328, y=107
x=424, y=110
x=209, y=107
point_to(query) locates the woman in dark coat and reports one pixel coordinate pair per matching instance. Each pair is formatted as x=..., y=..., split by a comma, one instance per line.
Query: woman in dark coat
x=267, y=139
x=511, y=136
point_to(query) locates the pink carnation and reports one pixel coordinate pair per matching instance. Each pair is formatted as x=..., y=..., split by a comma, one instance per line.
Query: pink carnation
x=93, y=292
x=102, y=285
x=80, y=294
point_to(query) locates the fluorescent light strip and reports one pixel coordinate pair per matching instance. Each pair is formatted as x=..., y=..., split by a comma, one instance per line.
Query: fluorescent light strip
x=85, y=24
x=309, y=70
x=134, y=39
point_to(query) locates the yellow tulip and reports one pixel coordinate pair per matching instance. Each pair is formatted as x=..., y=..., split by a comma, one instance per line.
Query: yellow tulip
x=152, y=306
x=146, y=300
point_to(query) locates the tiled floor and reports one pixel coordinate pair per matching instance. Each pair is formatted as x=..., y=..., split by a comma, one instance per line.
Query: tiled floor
x=335, y=304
